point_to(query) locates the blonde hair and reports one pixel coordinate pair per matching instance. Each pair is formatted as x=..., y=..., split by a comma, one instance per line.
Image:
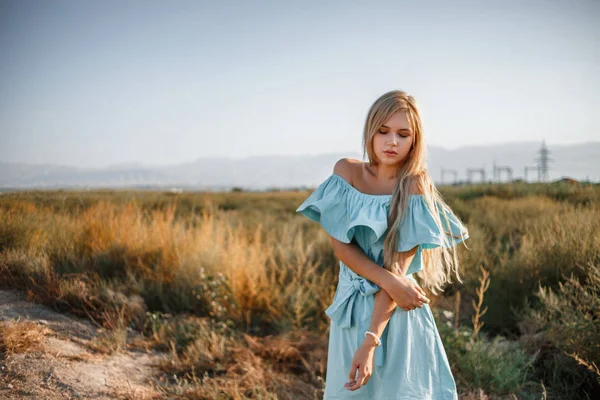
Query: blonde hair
x=439, y=262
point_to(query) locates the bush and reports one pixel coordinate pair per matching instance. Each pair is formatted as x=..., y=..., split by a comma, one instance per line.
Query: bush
x=569, y=319
x=496, y=366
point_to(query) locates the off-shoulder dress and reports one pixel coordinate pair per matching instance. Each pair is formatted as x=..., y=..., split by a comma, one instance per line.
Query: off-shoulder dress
x=411, y=363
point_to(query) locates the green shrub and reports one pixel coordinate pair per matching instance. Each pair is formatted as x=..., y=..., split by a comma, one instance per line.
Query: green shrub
x=569, y=318
x=496, y=366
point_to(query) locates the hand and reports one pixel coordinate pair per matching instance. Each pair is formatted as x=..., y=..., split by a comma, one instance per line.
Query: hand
x=406, y=293
x=363, y=362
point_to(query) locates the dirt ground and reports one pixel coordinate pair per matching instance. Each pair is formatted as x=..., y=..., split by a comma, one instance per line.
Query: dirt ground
x=64, y=365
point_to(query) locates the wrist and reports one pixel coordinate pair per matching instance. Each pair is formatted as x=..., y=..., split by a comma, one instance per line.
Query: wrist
x=369, y=343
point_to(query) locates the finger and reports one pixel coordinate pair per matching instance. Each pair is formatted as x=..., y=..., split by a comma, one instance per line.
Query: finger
x=419, y=292
x=353, y=386
x=366, y=380
x=424, y=299
x=361, y=378
x=359, y=381
x=352, y=374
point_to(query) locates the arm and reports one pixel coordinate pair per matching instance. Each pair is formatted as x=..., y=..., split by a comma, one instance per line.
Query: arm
x=355, y=258
x=363, y=358
x=404, y=292
x=384, y=305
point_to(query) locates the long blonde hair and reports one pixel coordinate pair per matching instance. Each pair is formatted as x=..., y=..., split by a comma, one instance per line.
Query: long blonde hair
x=439, y=262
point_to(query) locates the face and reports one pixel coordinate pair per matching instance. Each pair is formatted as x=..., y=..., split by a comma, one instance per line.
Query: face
x=396, y=136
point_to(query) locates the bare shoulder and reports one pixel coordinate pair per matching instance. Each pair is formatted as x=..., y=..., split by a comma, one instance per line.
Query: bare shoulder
x=346, y=167
x=415, y=187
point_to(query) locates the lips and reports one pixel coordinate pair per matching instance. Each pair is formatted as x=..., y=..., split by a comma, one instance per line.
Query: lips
x=392, y=153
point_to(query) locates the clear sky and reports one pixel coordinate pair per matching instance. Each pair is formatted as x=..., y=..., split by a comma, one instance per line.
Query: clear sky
x=94, y=83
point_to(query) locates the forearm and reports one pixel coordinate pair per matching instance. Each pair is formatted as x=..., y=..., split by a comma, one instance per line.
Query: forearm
x=382, y=312
x=384, y=305
x=356, y=259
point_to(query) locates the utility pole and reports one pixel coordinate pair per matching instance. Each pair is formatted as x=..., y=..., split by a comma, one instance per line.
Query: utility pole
x=451, y=172
x=543, y=161
x=497, y=172
x=472, y=171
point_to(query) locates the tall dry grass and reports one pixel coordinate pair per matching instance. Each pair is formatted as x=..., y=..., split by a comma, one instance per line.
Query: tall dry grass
x=110, y=257
x=523, y=244
x=195, y=271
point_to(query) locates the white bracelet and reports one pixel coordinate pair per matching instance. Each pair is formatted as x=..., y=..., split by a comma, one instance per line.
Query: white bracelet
x=377, y=340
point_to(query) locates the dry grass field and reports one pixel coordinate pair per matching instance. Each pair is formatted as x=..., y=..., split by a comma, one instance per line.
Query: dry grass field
x=221, y=295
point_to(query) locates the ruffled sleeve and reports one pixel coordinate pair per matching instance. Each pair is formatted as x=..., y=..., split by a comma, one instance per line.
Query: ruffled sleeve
x=418, y=227
x=340, y=209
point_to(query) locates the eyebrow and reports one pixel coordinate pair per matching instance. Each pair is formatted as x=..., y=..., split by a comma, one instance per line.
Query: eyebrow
x=404, y=129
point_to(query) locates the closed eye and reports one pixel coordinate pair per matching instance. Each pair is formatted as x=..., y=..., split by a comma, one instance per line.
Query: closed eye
x=383, y=133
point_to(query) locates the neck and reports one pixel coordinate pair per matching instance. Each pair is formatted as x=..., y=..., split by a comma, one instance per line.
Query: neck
x=385, y=172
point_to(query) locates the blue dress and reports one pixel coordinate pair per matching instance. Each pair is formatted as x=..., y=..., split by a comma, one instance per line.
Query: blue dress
x=411, y=363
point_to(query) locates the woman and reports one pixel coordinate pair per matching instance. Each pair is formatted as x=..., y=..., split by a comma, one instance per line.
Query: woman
x=388, y=226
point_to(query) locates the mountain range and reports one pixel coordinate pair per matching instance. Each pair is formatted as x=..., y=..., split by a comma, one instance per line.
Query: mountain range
x=575, y=161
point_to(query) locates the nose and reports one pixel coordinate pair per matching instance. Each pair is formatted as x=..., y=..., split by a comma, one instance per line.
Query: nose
x=394, y=139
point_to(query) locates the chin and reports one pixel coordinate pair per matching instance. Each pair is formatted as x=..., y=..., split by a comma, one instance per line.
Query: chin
x=390, y=161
